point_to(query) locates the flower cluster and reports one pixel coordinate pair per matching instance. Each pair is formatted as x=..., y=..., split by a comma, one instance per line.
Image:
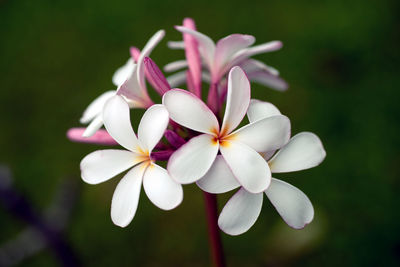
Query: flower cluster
x=202, y=142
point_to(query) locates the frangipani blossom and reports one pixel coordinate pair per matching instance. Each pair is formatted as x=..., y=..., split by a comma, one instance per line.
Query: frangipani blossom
x=303, y=151
x=102, y=165
x=238, y=148
x=230, y=51
x=131, y=85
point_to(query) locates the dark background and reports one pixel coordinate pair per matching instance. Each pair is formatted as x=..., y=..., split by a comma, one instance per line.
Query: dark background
x=340, y=59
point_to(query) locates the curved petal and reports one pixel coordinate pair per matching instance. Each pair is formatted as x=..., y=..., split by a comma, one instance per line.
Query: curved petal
x=293, y=205
x=126, y=197
x=267, y=79
x=94, y=126
x=249, y=168
x=206, y=45
x=259, y=110
x=219, y=178
x=228, y=46
x=96, y=107
x=148, y=48
x=240, y=212
x=152, y=126
x=117, y=121
x=252, y=65
x=155, y=77
x=264, y=135
x=255, y=50
x=101, y=165
x=164, y=192
x=192, y=160
x=304, y=151
x=175, y=65
x=177, y=79
x=122, y=73
x=238, y=100
x=189, y=111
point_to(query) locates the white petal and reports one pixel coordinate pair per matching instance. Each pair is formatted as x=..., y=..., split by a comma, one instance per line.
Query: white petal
x=219, y=178
x=126, y=197
x=152, y=126
x=176, y=44
x=96, y=107
x=92, y=128
x=238, y=99
x=252, y=65
x=259, y=110
x=101, y=165
x=228, y=46
x=303, y=151
x=117, y=121
x=267, y=79
x=177, y=79
x=293, y=205
x=266, y=134
x=240, y=212
x=189, y=111
x=258, y=49
x=175, y=65
x=192, y=161
x=122, y=74
x=249, y=168
x=148, y=48
x=164, y=192
x=206, y=45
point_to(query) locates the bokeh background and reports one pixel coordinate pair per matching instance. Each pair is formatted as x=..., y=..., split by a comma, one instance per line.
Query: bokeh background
x=340, y=59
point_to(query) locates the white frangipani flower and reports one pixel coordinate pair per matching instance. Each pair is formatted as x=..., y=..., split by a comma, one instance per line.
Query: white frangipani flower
x=102, y=165
x=239, y=148
x=130, y=81
x=303, y=151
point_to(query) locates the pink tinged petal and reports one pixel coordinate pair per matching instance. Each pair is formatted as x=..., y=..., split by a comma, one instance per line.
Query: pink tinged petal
x=304, y=151
x=155, y=76
x=219, y=178
x=266, y=134
x=162, y=191
x=152, y=126
x=206, y=45
x=126, y=197
x=96, y=107
x=192, y=56
x=238, y=99
x=101, y=165
x=123, y=73
x=134, y=93
x=94, y=126
x=252, y=65
x=148, y=48
x=176, y=65
x=189, y=111
x=255, y=50
x=176, y=44
x=267, y=79
x=135, y=53
x=248, y=166
x=226, y=47
x=116, y=116
x=240, y=212
x=191, y=85
x=259, y=110
x=101, y=137
x=192, y=161
x=293, y=205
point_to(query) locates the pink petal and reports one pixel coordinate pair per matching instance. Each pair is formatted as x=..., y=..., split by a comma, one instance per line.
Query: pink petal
x=193, y=56
x=135, y=53
x=101, y=137
x=225, y=48
x=155, y=77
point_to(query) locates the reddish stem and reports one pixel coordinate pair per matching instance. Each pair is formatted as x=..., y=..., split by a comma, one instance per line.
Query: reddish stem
x=217, y=252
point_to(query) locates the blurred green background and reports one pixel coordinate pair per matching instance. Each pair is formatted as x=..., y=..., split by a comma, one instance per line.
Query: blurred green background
x=339, y=58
